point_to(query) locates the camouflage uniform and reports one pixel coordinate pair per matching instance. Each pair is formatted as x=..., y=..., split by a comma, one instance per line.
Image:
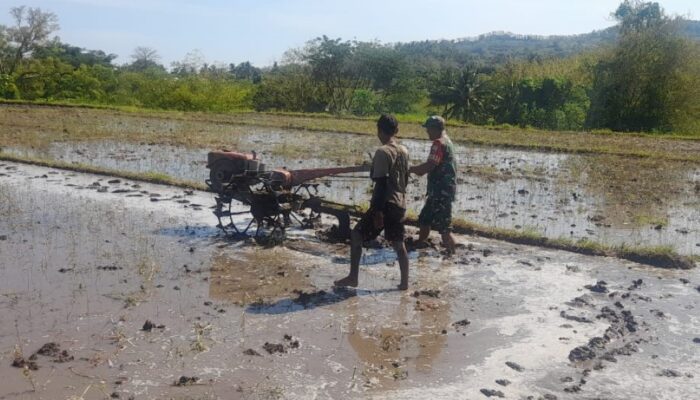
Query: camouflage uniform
x=442, y=186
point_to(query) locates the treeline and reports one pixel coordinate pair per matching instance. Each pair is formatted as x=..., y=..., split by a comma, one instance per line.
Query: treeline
x=35, y=67
x=646, y=79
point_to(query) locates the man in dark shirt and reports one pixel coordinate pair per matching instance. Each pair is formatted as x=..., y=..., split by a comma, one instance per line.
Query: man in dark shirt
x=388, y=206
x=442, y=186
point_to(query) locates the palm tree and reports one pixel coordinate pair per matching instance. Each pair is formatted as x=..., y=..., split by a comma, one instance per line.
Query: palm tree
x=460, y=93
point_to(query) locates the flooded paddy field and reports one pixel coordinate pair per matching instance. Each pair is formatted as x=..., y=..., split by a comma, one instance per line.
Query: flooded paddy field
x=122, y=289
x=603, y=198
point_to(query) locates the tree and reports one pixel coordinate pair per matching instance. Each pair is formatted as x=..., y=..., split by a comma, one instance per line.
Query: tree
x=290, y=88
x=643, y=85
x=190, y=65
x=74, y=55
x=245, y=71
x=329, y=61
x=461, y=94
x=145, y=58
x=32, y=28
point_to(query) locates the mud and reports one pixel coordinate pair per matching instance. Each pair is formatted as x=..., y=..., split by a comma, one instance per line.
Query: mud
x=609, y=199
x=474, y=325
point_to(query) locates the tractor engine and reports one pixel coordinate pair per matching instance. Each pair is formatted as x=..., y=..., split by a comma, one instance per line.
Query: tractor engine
x=275, y=196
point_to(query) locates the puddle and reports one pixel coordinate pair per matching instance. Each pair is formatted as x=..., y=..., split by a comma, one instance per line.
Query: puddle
x=84, y=269
x=608, y=199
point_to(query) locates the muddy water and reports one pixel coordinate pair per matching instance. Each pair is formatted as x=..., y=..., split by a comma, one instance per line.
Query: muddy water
x=603, y=198
x=86, y=260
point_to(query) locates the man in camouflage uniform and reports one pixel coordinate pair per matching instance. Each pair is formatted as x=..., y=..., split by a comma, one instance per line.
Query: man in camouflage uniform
x=442, y=184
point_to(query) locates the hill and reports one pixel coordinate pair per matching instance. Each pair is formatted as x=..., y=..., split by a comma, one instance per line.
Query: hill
x=497, y=47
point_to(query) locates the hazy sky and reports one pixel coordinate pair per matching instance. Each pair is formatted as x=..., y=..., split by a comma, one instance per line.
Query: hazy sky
x=260, y=31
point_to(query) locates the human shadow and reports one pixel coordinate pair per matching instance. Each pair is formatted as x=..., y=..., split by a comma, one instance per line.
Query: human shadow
x=307, y=301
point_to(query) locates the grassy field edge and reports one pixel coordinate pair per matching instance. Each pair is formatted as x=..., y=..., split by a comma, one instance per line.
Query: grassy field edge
x=500, y=137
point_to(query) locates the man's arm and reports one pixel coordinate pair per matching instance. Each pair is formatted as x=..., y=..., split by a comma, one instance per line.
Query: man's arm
x=434, y=159
x=422, y=169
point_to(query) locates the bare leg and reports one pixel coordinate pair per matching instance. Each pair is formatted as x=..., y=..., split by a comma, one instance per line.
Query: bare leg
x=355, y=255
x=449, y=242
x=402, y=255
x=423, y=234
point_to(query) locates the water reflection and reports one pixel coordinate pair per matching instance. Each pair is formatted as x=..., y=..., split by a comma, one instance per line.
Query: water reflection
x=405, y=339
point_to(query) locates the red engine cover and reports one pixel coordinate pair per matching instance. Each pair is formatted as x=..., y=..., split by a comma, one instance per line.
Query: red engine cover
x=214, y=156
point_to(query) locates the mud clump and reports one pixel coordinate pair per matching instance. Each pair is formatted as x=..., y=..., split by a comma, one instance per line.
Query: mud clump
x=434, y=293
x=148, y=326
x=622, y=325
x=599, y=287
x=186, y=381
x=669, y=373
x=581, y=301
x=636, y=284
x=108, y=268
x=251, y=352
x=492, y=393
x=581, y=353
x=291, y=342
x=273, y=348
x=515, y=366
x=21, y=362
x=461, y=324
x=576, y=318
x=52, y=349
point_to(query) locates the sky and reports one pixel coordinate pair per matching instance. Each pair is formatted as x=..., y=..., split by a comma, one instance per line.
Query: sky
x=261, y=31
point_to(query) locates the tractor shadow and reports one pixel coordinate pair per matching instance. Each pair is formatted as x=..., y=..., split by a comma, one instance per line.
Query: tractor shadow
x=308, y=301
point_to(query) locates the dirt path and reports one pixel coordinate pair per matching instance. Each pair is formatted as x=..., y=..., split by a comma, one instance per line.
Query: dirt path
x=117, y=288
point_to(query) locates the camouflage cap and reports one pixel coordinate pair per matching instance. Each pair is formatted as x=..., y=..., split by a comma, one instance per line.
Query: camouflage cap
x=434, y=121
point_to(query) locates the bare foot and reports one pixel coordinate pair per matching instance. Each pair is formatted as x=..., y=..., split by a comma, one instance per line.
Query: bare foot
x=403, y=286
x=347, y=281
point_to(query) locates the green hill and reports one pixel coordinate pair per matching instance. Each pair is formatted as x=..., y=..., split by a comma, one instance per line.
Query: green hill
x=497, y=47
